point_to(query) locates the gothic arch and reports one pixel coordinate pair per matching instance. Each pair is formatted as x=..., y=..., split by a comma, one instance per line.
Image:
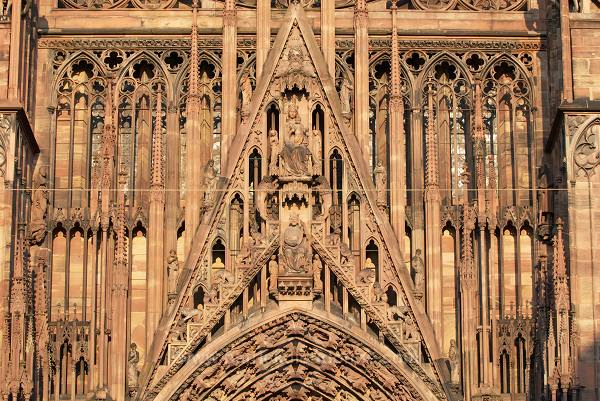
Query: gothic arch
x=67, y=64
x=492, y=62
x=292, y=355
x=584, y=156
x=421, y=80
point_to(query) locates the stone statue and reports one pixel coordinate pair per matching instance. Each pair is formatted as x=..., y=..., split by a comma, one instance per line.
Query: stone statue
x=316, y=146
x=379, y=294
x=454, y=362
x=296, y=251
x=417, y=266
x=273, y=274
x=345, y=90
x=39, y=208
x=295, y=155
x=246, y=89
x=133, y=360
x=210, y=181
x=218, y=264
x=195, y=314
x=172, y=271
x=365, y=277
x=317, y=268
x=275, y=150
x=325, y=196
x=381, y=183
x=264, y=192
x=369, y=264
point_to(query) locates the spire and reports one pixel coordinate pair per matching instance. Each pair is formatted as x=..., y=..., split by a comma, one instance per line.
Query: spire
x=559, y=269
x=194, y=91
x=157, y=145
x=395, y=92
x=432, y=178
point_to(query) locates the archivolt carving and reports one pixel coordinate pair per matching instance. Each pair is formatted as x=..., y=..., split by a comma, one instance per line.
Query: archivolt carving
x=587, y=150
x=296, y=356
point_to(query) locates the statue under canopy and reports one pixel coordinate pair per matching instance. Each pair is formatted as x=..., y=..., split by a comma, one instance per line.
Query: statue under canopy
x=296, y=158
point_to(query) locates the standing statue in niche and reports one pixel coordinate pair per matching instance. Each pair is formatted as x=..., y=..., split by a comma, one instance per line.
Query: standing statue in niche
x=173, y=270
x=316, y=145
x=381, y=184
x=133, y=360
x=275, y=150
x=210, y=181
x=39, y=208
x=246, y=89
x=295, y=155
x=317, y=268
x=454, y=362
x=345, y=90
x=295, y=250
x=417, y=266
x=273, y=274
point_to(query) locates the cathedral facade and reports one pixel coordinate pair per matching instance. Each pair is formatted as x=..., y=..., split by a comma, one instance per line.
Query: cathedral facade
x=300, y=200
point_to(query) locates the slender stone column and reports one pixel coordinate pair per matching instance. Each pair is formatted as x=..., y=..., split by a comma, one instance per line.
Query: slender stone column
x=199, y=147
x=156, y=296
x=397, y=183
x=107, y=149
x=263, y=34
x=328, y=34
x=432, y=222
x=172, y=183
x=467, y=293
x=120, y=284
x=229, y=113
x=361, y=75
x=479, y=150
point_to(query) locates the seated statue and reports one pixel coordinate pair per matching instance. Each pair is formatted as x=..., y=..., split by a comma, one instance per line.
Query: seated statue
x=296, y=158
x=295, y=254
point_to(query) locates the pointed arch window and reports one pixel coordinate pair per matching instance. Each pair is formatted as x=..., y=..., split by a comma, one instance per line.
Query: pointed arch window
x=452, y=114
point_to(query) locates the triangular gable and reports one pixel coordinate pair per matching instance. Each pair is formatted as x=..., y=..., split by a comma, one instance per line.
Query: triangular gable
x=295, y=16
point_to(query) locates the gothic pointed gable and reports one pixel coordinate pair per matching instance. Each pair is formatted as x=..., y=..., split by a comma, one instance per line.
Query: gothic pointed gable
x=299, y=240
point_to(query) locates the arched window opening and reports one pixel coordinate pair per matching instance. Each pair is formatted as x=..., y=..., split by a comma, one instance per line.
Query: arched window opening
x=392, y=296
x=317, y=142
x=354, y=223
x=372, y=258
x=509, y=271
x=452, y=113
x=273, y=118
x=218, y=255
x=198, y=296
x=504, y=372
x=379, y=88
x=236, y=223
x=449, y=286
x=521, y=364
x=336, y=176
x=254, y=171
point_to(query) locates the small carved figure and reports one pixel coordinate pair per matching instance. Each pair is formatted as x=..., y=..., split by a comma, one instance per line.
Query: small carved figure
x=246, y=89
x=316, y=146
x=273, y=274
x=218, y=264
x=212, y=296
x=345, y=90
x=196, y=314
x=345, y=253
x=210, y=181
x=379, y=294
x=275, y=150
x=317, y=268
x=133, y=360
x=173, y=270
x=39, y=208
x=365, y=277
x=381, y=184
x=246, y=250
x=296, y=251
x=369, y=264
x=453, y=358
x=417, y=266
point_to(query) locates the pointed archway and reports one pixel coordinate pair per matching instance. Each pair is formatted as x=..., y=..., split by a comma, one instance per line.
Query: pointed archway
x=295, y=355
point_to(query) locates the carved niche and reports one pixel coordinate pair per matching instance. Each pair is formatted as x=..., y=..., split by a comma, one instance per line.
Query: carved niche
x=587, y=150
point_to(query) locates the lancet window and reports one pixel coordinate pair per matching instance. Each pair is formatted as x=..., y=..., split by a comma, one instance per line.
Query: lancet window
x=453, y=115
x=79, y=114
x=508, y=130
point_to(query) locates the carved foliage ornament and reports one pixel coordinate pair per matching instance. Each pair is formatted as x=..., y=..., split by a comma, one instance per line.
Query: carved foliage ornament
x=5, y=125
